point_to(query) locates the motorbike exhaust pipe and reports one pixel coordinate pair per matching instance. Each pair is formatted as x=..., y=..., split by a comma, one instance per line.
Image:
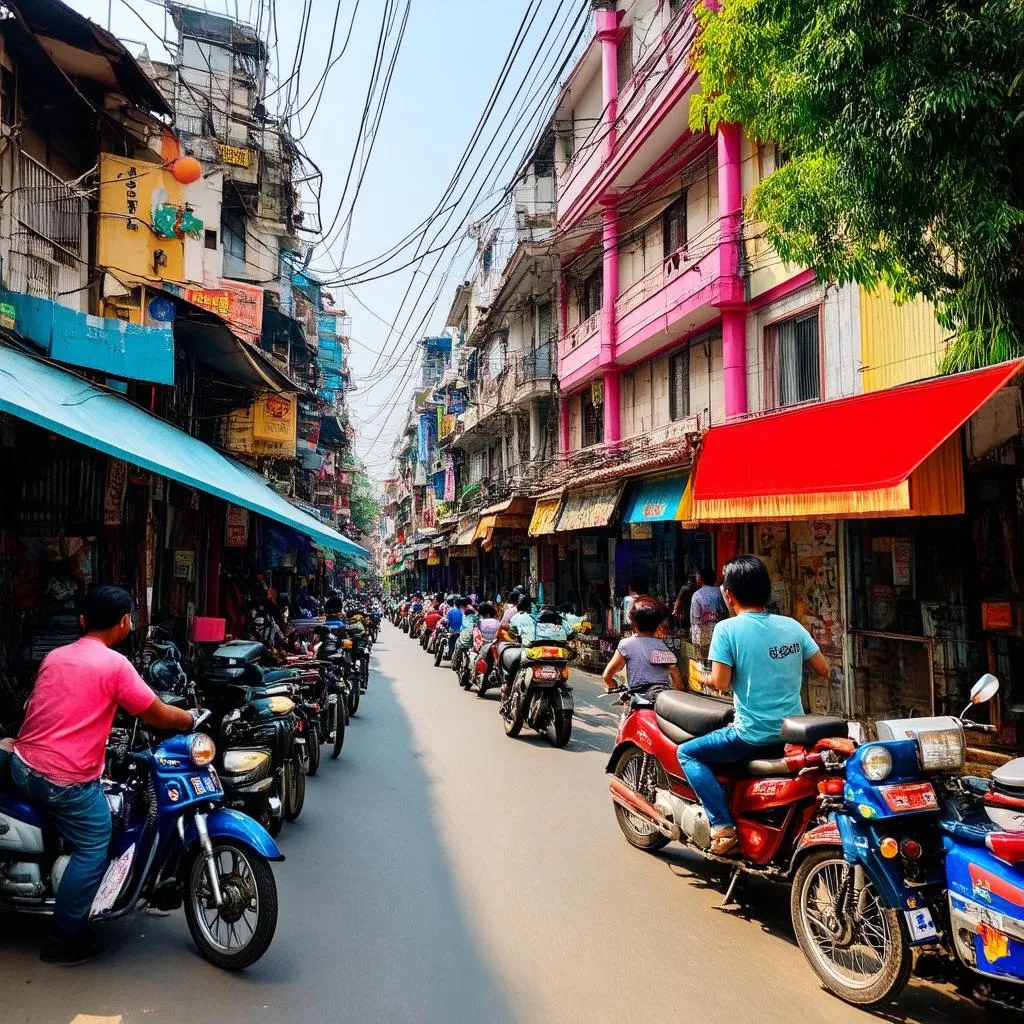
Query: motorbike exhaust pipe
x=633, y=801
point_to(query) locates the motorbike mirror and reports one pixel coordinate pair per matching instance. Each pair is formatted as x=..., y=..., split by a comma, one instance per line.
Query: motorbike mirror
x=984, y=689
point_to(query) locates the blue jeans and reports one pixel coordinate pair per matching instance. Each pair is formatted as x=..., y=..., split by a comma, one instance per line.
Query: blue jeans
x=82, y=817
x=723, y=746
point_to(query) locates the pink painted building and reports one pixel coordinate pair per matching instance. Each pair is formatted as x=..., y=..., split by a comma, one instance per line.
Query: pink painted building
x=672, y=306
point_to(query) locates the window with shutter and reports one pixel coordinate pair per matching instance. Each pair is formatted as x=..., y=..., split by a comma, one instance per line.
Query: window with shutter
x=593, y=291
x=679, y=385
x=673, y=226
x=792, y=361
x=593, y=421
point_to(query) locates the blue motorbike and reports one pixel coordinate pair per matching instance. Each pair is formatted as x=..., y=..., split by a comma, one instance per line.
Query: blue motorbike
x=926, y=873
x=173, y=844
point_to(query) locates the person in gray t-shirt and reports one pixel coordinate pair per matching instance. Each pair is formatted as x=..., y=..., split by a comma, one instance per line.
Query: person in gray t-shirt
x=646, y=659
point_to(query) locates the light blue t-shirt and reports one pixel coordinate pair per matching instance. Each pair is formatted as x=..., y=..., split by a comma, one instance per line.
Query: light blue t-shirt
x=767, y=654
x=530, y=629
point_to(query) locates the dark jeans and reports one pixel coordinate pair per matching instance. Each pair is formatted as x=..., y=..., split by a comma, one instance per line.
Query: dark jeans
x=82, y=817
x=723, y=746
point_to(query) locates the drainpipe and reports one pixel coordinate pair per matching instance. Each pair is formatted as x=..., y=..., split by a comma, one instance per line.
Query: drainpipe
x=606, y=28
x=609, y=325
x=732, y=300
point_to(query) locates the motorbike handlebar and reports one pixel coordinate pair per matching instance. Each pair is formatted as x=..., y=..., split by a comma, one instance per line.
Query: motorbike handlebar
x=980, y=727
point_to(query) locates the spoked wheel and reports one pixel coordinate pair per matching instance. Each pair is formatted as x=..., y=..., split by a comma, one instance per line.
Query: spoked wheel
x=514, y=717
x=642, y=773
x=855, y=944
x=295, y=788
x=313, y=749
x=337, y=726
x=438, y=655
x=353, y=700
x=238, y=932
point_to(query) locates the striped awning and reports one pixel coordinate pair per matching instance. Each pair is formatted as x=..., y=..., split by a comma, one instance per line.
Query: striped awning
x=589, y=508
x=545, y=516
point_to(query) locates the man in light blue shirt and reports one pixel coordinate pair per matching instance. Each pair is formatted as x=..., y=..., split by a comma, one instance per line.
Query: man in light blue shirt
x=761, y=658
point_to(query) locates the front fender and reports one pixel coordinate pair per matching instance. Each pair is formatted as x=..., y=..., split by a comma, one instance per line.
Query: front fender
x=825, y=834
x=224, y=823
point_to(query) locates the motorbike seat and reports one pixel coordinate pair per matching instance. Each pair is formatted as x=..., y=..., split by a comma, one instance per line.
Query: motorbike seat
x=806, y=730
x=510, y=657
x=276, y=675
x=682, y=716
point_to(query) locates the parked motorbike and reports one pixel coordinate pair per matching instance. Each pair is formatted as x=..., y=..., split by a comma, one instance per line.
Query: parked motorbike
x=535, y=686
x=921, y=859
x=776, y=800
x=439, y=642
x=173, y=844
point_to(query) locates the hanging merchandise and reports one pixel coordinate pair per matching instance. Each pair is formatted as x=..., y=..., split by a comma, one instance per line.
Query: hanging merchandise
x=113, y=493
x=449, y=483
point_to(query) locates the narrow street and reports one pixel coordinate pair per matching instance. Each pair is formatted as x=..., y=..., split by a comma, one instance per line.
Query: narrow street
x=441, y=872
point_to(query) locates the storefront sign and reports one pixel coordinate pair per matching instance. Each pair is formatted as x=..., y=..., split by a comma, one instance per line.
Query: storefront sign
x=8, y=316
x=236, y=527
x=238, y=437
x=275, y=419
x=236, y=156
x=902, y=553
x=185, y=565
x=241, y=305
x=641, y=531
x=433, y=556
x=996, y=615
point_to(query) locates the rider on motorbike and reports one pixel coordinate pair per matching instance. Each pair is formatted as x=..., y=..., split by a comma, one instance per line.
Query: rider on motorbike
x=58, y=756
x=760, y=657
x=547, y=626
x=456, y=614
x=637, y=654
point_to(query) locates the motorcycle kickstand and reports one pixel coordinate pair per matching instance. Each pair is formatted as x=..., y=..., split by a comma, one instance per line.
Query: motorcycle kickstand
x=737, y=874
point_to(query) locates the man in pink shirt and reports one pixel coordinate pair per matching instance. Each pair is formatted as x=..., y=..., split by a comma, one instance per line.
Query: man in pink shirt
x=58, y=755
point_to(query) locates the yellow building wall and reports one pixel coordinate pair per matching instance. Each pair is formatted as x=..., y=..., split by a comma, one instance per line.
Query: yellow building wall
x=898, y=343
x=130, y=192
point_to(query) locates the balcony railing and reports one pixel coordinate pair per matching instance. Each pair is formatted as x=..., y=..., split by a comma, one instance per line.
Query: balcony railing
x=673, y=267
x=47, y=252
x=582, y=332
x=536, y=365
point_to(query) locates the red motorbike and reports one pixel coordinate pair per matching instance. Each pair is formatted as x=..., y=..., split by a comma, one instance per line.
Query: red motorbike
x=775, y=799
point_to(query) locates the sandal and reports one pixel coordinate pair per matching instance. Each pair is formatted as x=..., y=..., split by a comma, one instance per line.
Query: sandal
x=723, y=840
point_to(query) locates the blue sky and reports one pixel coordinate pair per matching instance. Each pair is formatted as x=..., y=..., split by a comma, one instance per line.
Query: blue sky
x=450, y=59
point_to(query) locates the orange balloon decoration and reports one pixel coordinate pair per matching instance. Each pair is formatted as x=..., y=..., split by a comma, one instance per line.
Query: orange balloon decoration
x=186, y=170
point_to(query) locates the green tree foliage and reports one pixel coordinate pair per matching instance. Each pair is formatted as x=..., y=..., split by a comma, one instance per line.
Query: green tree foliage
x=365, y=507
x=903, y=121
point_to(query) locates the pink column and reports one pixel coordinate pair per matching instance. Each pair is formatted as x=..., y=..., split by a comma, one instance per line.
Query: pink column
x=563, y=425
x=732, y=296
x=612, y=407
x=609, y=279
x=607, y=31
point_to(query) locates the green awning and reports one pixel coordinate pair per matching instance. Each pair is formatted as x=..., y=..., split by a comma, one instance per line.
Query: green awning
x=56, y=400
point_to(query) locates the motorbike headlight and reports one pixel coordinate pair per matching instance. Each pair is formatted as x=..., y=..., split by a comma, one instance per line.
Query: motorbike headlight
x=876, y=763
x=201, y=749
x=237, y=762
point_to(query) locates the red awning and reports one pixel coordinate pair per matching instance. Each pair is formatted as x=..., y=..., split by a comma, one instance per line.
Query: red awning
x=856, y=456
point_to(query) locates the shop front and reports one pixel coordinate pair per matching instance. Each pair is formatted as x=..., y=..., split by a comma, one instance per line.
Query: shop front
x=866, y=538
x=544, y=549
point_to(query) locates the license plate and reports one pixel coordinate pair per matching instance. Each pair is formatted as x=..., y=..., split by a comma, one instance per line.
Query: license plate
x=914, y=796
x=546, y=672
x=920, y=924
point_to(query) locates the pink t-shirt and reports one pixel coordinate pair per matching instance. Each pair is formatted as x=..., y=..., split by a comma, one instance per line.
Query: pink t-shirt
x=71, y=710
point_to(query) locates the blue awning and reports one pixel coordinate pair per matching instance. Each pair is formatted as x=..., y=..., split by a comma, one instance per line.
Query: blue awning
x=656, y=501
x=56, y=400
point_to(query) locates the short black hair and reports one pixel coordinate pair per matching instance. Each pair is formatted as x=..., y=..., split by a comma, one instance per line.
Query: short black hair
x=746, y=578
x=549, y=615
x=647, y=613
x=105, y=606
x=708, y=575
x=525, y=603
x=462, y=602
x=487, y=610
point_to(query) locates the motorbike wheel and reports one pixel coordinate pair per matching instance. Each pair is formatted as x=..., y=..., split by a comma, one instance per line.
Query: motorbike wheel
x=353, y=700
x=438, y=655
x=272, y=822
x=514, y=723
x=250, y=895
x=642, y=773
x=338, y=723
x=562, y=727
x=295, y=787
x=313, y=749
x=861, y=955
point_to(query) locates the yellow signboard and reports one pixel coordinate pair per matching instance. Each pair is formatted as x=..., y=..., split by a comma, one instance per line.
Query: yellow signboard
x=132, y=194
x=237, y=156
x=275, y=418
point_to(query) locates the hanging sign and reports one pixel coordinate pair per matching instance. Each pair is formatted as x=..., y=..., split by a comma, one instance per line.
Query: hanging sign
x=641, y=531
x=275, y=419
x=597, y=391
x=184, y=565
x=433, y=556
x=236, y=527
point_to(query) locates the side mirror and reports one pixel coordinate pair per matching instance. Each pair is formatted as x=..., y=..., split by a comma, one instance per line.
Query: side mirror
x=984, y=689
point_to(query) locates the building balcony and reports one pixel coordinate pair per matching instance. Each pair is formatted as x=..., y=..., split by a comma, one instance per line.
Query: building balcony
x=533, y=371
x=674, y=299
x=653, y=116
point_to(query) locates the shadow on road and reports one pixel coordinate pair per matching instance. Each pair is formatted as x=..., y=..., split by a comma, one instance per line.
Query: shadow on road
x=370, y=925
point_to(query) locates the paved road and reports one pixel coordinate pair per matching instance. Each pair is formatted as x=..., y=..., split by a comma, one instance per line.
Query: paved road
x=444, y=873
